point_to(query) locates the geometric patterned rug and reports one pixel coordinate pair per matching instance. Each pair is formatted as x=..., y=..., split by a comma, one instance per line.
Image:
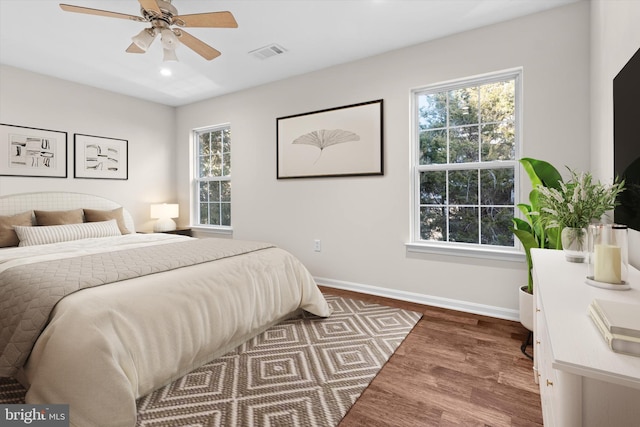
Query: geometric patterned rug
x=305, y=371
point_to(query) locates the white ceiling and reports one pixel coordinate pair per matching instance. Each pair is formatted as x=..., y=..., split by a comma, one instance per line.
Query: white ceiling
x=37, y=35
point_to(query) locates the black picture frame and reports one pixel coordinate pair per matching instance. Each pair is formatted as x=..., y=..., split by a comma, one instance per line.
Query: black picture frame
x=100, y=157
x=32, y=152
x=334, y=142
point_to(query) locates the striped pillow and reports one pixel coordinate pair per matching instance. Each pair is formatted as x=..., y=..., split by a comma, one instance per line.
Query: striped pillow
x=41, y=235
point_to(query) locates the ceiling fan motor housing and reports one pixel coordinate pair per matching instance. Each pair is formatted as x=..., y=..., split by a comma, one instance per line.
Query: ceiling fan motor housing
x=167, y=16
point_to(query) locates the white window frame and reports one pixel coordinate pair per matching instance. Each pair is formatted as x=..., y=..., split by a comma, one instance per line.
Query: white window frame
x=416, y=244
x=195, y=181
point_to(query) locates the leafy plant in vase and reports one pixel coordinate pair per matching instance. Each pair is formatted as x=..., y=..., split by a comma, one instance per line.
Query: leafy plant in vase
x=573, y=206
x=531, y=230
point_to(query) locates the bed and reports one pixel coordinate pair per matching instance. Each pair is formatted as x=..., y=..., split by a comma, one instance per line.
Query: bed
x=97, y=318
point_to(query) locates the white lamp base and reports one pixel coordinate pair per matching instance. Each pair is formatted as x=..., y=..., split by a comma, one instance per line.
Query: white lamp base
x=164, y=224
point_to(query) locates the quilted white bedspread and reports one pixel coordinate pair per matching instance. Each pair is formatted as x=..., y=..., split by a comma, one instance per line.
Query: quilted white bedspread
x=106, y=346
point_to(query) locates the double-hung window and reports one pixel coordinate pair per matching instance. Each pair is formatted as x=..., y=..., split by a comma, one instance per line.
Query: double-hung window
x=465, y=150
x=212, y=176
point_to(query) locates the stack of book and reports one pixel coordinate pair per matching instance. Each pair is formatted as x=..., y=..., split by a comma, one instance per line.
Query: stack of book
x=619, y=324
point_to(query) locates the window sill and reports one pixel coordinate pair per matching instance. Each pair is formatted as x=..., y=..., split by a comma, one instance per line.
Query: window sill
x=466, y=251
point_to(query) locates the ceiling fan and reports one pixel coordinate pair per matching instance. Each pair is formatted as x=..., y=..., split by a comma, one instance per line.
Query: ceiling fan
x=162, y=16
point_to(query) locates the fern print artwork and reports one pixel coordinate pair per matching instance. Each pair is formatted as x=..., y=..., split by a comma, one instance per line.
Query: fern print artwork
x=324, y=138
x=341, y=141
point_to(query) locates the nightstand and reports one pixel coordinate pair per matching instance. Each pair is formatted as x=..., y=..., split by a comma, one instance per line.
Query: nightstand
x=180, y=231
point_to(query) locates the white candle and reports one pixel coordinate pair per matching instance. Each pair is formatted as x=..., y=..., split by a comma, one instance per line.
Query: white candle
x=608, y=264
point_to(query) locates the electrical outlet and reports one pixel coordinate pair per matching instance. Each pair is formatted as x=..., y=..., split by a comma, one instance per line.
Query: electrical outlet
x=317, y=246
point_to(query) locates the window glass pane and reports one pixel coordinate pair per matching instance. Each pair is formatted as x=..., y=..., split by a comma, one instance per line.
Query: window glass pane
x=204, y=213
x=226, y=164
x=226, y=140
x=216, y=164
x=433, y=147
x=497, y=101
x=432, y=223
x=216, y=142
x=204, y=147
x=497, y=186
x=463, y=145
x=433, y=187
x=214, y=213
x=204, y=191
x=225, y=191
x=204, y=168
x=225, y=218
x=498, y=141
x=463, y=106
x=463, y=187
x=432, y=110
x=463, y=225
x=497, y=225
x=214, y=191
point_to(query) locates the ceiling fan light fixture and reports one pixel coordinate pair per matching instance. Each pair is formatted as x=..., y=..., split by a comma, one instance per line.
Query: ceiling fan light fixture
x=162, y=16
x=144, y=38
x=169, y=55
x=169, y=39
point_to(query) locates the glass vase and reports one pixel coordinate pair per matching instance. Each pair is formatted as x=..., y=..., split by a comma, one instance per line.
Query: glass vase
x=574, y=243
x=608, y=254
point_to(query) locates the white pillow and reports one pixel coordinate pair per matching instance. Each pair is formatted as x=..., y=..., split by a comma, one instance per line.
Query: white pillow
x=41, y=235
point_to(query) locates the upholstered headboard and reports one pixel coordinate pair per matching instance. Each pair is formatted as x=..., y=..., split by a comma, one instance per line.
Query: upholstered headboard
x=59, y=201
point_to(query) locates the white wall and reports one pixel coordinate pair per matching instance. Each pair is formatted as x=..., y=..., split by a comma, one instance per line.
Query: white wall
x=615, y=37
x=34, y=100
x=364, y=222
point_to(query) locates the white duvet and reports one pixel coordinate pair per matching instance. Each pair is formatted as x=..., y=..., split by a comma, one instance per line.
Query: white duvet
x=106, y=346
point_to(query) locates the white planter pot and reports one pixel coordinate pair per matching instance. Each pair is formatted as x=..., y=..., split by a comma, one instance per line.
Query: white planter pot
x=526, y=308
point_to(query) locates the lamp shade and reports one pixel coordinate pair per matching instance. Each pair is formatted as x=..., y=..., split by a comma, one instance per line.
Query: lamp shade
x=144, y=38
x=169, y=55
x=163, y=212
x=168, y=39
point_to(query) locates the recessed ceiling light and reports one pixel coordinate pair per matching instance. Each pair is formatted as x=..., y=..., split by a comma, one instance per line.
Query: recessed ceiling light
x=165, y=71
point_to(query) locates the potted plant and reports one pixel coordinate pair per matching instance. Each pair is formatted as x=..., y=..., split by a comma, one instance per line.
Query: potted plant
x=573, y=206
x=531, y=230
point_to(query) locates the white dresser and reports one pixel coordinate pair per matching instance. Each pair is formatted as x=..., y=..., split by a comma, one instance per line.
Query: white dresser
x=582, y=382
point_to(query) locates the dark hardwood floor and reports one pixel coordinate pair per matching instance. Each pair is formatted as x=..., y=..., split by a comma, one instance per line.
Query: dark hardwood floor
x=453, y=369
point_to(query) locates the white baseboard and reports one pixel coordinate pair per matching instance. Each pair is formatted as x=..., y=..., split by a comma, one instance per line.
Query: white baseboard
x=468, y=307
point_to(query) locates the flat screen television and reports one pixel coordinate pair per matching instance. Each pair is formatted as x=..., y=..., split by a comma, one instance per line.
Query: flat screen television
x=626, y=141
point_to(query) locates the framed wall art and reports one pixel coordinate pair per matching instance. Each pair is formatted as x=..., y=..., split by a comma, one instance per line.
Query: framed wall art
x=34, y=152
x=100, y=157
x=342, y=141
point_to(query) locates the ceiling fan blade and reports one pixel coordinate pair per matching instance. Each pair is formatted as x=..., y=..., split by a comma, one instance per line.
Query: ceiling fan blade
x=133, y=48
x=209, y=20
x=89, y=11
x=198, y=46
x=151, y=6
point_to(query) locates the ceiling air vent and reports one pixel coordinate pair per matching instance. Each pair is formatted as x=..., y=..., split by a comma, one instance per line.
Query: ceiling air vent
x=268, y=51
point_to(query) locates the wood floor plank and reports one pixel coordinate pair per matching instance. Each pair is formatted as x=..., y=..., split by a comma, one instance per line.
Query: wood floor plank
x=453, y=369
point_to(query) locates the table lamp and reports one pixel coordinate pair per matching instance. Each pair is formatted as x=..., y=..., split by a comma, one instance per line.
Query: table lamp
x=164, y=212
